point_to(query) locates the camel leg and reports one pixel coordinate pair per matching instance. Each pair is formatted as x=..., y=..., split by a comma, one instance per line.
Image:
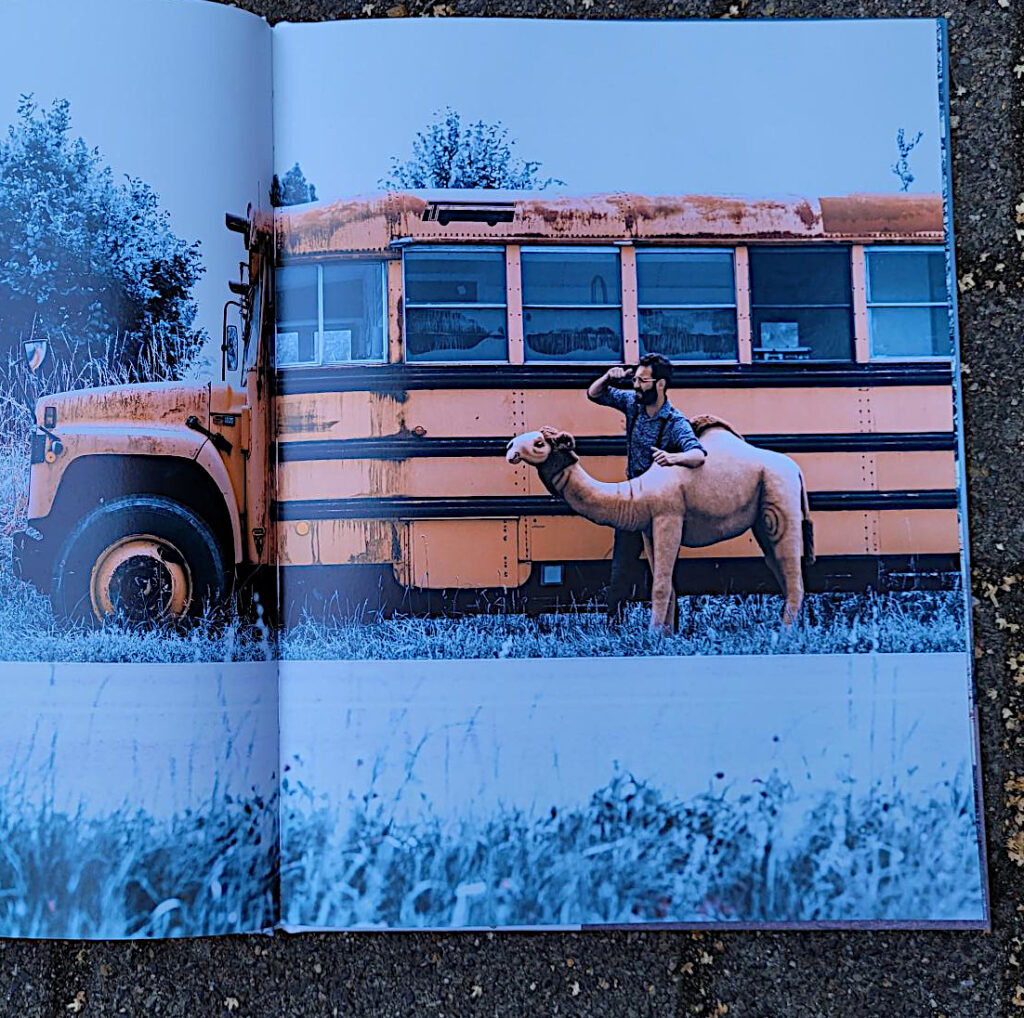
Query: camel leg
x=673, y=606
x=667, y=533
x=768, y=550
x=779, y=532
x=793, y=584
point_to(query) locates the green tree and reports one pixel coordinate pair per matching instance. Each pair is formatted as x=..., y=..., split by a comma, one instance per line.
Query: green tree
x=447, y=153
x=88, y=264
x=291, y=189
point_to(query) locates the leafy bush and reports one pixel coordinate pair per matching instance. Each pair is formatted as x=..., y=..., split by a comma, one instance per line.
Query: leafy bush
x=90, y=265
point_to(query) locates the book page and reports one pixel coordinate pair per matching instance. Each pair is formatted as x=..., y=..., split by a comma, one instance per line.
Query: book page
x=620, y=501
x=138, y=786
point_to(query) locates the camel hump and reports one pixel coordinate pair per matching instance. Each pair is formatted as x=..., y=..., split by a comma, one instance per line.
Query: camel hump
x=705, y=422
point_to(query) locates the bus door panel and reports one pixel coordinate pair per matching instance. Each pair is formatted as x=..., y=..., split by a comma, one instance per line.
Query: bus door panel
x=462, y=553
x=567, y=539
x=339, y=542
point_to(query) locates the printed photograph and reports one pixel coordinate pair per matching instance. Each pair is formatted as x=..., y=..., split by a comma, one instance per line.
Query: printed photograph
x=138, y=800
x=138, y=784
x=532, y=498
x=619, y=502
x=130, y=525
x=546, y=389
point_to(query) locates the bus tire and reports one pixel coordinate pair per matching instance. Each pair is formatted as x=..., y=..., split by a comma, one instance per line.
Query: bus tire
x=143, y=558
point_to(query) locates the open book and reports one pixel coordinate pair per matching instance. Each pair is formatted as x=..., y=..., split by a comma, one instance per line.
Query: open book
x=479, y=474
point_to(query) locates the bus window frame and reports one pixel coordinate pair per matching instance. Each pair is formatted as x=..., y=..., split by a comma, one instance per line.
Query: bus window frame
x=318, y=361
x=809, y=247
x=734, y=306
x=610, y=248
x=459, y=248
x=870, y=304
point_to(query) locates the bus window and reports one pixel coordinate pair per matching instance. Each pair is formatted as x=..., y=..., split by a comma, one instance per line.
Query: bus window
x=455, y=304
x=908, y=302
x=298, y=317
x=354, y=312
x=687, y=304
x=801, y=304
x=572, y=304
x=330, y=314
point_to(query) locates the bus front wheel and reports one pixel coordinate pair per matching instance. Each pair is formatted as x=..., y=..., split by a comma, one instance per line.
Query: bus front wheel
x=142, y=559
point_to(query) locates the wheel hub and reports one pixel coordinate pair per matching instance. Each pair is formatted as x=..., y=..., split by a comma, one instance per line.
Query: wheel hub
x=141, y=578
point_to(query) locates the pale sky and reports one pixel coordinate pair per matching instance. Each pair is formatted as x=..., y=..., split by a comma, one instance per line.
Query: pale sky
x=176, y=92
x=726, y=107
x=179, y=93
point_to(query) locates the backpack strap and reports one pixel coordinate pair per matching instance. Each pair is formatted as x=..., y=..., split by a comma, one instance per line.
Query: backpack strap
x=630, y=424
x=661, y=432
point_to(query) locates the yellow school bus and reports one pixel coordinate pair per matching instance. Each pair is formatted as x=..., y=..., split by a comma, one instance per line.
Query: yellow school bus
x=415, y=334
x=387, y=348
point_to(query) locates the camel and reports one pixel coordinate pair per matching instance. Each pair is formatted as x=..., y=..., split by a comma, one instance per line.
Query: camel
x=739, y=487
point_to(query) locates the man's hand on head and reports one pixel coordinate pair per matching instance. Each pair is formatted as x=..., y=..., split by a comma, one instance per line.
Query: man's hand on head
x=617, y=373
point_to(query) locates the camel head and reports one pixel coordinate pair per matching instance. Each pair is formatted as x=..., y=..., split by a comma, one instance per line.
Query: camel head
x=534, y=447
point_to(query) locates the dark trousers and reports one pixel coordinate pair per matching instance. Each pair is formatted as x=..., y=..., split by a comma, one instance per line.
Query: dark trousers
x=629, y=572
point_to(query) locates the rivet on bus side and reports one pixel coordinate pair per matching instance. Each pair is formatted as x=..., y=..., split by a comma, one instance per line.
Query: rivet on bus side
x=302, y=528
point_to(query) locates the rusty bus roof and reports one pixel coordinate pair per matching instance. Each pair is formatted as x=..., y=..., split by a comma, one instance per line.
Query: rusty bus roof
x=374, y=223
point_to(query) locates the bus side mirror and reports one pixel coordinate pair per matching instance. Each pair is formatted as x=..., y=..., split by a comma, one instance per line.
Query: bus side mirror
x=35, y=353
x=230, y=347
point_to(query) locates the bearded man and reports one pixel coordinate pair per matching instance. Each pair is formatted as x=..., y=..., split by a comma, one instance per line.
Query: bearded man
x=656, y=432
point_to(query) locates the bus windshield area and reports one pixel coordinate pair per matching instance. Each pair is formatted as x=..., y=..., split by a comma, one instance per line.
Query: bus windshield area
x=251, y=320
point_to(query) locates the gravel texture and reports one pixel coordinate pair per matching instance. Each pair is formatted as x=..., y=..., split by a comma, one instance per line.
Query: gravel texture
x=742, y=975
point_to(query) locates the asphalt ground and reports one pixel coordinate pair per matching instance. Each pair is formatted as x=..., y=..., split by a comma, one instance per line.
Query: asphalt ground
x=742, y=975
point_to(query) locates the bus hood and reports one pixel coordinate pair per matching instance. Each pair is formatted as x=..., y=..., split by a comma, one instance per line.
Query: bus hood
x=159, y=404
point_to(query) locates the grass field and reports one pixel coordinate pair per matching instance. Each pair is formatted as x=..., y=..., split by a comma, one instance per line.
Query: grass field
x=633, y=854
x=909, y=621
x=126, y=874
x=905, y=622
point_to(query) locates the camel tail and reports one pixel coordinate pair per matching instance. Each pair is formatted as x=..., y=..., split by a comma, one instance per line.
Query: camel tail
x=808, y=524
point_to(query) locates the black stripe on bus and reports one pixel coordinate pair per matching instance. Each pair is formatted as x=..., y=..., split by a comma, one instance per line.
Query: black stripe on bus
x=510, y=506
x=401, y=447
x=399, y=378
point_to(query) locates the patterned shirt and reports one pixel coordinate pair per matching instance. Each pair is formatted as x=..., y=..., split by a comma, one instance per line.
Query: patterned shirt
x=668, y=429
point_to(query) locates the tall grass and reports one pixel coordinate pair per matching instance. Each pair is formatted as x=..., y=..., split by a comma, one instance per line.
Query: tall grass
x=633, y=854
x=907, y=621
x=126, y=874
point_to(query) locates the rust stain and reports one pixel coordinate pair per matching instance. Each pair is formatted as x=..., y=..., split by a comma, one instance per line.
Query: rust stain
x=370, y=224
x=386, y=478
x=131, y=404
x=352, y=224
x=806, y=214
x=291, y=421
x=386, y=415
x=873, y=214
